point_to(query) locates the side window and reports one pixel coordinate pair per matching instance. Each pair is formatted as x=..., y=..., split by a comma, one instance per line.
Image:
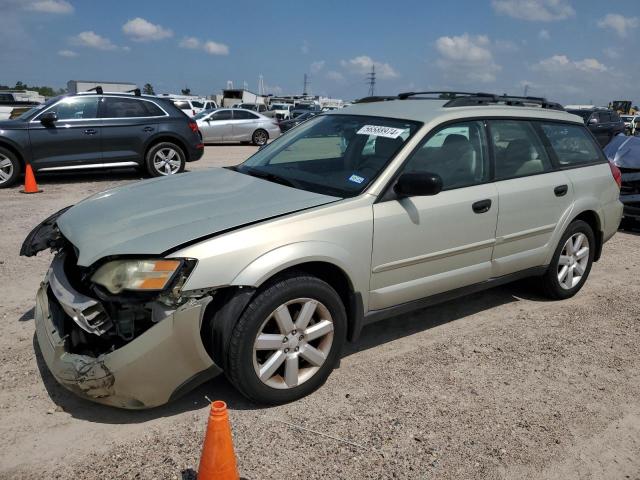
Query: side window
x=153, y=109
x=76, y=108
x=604, y=117
x=197, y=104
x=116, y=107
x=572, y=144
x=458, y=153
x=243, y=115
x=221, y=115
x=517, y=149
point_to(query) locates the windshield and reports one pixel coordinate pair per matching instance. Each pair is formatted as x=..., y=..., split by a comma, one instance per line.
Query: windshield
x=338, y=155
x=278, y=106
x=585, y=114
x=203, y=114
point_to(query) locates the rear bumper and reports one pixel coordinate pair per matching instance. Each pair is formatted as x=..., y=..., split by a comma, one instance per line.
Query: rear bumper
x=150, y=370
x=195, y=153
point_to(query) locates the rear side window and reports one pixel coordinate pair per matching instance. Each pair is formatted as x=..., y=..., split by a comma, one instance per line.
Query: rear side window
x=243, y=115
x=572, y=144
x=153, y=109
x=517, y=149
x=116, y=107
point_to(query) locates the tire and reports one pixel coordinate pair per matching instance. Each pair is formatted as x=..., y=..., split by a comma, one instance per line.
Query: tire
x=172, y=163
x=260, y=137
x=10, y=168
x=296, y=293
x=552, y=286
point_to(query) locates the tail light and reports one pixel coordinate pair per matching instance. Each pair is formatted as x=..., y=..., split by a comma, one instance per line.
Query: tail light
x=193, y=126
x=617, y=174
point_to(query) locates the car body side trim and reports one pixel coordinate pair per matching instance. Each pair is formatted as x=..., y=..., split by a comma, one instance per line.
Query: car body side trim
x=434, y=256
x=526, y=233
x=382, y=314
x=90, y=165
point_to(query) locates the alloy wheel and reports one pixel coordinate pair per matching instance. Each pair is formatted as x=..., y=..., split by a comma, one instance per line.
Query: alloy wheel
x=293, y=343
x=573, y=260
x=260, y=137
x=166, y=161
x=6, y=169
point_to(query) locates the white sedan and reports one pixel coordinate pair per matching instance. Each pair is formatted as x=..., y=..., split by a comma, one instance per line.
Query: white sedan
x=230, y=125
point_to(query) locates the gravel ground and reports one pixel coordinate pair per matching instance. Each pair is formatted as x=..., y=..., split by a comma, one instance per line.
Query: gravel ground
x=501, y=384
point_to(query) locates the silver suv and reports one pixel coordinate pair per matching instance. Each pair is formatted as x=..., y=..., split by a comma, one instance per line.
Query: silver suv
x=266, y=269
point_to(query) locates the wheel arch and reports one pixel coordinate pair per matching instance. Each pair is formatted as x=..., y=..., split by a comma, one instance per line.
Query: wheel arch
x=592, y=218
x=13, y=149
x=163, y=137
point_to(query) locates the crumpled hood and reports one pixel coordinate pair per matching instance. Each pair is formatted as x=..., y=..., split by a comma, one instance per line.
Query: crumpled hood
x=624, y=151
x=153, y=216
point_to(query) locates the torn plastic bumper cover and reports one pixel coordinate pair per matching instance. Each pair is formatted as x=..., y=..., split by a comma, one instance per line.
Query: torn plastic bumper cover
x=145, y=372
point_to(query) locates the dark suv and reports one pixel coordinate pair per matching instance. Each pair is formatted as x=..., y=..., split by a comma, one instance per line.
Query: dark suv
x=604, y=124
x=99, y=130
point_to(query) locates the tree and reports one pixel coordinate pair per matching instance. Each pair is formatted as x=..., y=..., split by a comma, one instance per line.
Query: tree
x=186, y=91
x=148, y=89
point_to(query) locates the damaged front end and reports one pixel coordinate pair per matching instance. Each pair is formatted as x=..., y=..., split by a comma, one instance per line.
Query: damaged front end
x=624, y=152
x=131, y=349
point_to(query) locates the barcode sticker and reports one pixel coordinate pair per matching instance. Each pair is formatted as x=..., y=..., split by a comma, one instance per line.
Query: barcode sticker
x=378, y=131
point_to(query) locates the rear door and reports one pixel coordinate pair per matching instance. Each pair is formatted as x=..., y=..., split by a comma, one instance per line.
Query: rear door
x=243, y=125
x=73, y=140
x=217, y=127
x=534, y=198
x=127, y=125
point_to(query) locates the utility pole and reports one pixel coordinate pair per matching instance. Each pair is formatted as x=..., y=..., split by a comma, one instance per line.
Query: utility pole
x=305, y=85
x=526, y=89
x=371, y=79
x=260, y=85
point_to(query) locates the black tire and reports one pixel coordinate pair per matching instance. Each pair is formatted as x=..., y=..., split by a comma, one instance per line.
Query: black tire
x=240, y=368
x=260, y=137
x=11, y=170
x=551, y=286
x=164, y=148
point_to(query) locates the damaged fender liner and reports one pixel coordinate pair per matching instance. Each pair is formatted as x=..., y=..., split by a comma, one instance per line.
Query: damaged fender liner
x=45, y=235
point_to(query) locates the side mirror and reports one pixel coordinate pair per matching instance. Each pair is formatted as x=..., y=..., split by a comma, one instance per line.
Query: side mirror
x=418, y=184
x=593, y=121
x=48, y=118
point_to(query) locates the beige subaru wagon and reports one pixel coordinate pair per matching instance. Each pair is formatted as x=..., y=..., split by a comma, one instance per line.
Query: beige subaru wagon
x=264, y=270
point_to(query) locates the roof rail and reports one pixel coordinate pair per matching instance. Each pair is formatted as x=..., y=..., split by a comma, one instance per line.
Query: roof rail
x=443, y=95
x=97, y=89
x=374, y=99
x=508, y=100
x=135, y=91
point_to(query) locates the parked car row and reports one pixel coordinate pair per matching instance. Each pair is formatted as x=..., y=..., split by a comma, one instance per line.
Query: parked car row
x=603, y=123
x=225, y=125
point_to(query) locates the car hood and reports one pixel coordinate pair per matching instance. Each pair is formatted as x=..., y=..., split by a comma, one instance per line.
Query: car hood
x=154, y=216
x=624, y=151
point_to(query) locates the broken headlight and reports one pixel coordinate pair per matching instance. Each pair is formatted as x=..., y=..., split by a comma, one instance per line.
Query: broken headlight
x=137, y=275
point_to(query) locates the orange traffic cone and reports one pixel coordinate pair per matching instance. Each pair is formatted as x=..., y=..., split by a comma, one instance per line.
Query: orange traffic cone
x=30, y=185
x=218, y=461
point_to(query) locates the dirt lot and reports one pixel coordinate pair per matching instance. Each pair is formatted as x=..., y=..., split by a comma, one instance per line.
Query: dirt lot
x=496, y=385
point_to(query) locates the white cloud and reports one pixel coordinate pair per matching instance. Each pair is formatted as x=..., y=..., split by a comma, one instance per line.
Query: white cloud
x=67, y=53
x=215, y=48
x=562, y=63
x=304, y=48
x=50, y=6
x=363, y=64
x=317, y=66
x=190, y=42
x=618, y=23
x=612, y=52
x=506, y=46
x=544, y=35
x=91, y=39
x=141, y=30
x=467, y=56
x=535, y=10
x=335, y=76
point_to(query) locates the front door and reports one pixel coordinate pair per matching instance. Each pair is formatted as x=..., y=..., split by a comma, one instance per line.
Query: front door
x=73, y=140
x=427, y=245
x=217, y=127
x=533, y=197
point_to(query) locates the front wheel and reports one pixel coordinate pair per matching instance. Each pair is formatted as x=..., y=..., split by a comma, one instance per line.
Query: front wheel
x=10, y=168
x=260, y=137
x=164, y=159
x=287, y=341
x=571, y=262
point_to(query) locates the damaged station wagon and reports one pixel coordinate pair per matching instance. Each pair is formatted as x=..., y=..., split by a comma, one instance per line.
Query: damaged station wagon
x=264, y=270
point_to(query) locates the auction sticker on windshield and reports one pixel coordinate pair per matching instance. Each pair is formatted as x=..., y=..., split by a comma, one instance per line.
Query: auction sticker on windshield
x=379, y=131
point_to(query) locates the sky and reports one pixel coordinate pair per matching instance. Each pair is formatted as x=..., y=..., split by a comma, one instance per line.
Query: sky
x=571, y=51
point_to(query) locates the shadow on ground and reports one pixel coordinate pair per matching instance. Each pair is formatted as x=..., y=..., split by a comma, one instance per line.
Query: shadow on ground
x=220, y=389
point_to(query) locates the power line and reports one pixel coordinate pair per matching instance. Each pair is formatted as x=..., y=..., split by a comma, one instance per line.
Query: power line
x=371, y=79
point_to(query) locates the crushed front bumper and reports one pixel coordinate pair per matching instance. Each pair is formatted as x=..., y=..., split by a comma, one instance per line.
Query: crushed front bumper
x=157, y=366
x=630, y=194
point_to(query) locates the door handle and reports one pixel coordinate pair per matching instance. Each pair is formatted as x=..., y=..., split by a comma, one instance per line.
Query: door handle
x=561, y=190
x=148, y=129
x=90, y=131
x=481, y=206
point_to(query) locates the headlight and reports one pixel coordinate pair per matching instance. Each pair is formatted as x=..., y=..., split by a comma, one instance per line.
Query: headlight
x=137, y=275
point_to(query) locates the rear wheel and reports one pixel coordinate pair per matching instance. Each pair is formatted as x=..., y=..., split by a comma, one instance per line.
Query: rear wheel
x=164, y=159
x=260, y=137
x=287, y=341
x=10, y=168
x=571, y=262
